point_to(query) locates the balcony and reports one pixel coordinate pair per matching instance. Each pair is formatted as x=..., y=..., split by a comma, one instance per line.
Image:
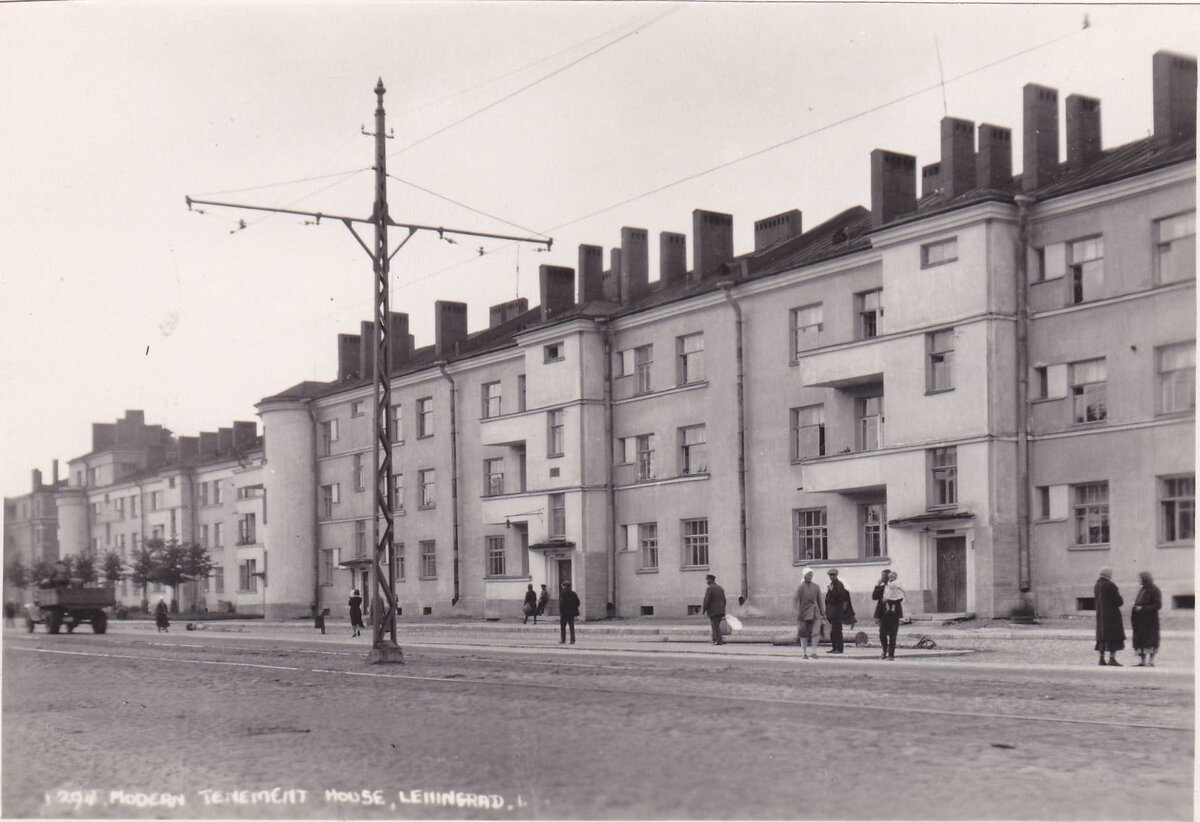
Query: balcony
x=843, y=366
x=847, y=473
x=512, y=429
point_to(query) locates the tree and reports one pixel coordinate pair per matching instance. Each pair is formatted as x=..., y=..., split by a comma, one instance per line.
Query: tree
x=81, y=567
x=142, y=568
x=16, y=573
x=113, y=567
x=177, y=563
x=40, y=570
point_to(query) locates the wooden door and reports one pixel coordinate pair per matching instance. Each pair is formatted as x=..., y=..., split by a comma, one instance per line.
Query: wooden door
x=952, y=575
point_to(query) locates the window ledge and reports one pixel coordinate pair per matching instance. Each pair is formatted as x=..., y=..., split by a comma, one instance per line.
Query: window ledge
x=1049, y=520
x=1084, y=426
x=426, y=507
x=694, y=568
x=1181, y=544
x=647, y=570
x=841, y=561
x=1048, y=280
x=932, y=391
x=1100, y=547
x=525, y=578
x=925, y=266
x=1037, y=400
x=425, y=437
x=941, y=509
x=1183, y=413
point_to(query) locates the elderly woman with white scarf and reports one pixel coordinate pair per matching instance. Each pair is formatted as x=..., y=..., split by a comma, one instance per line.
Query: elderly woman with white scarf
x=891, y=598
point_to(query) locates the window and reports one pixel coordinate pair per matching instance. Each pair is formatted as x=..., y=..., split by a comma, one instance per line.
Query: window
x=397, y=492
x=807, y=324
x=397, y=423
x=1177, y=377
x=648, y=545
x=329, y=435
x=495, y=556
x=331, y=495
x=219, y=580
x=643, y=446
x=326, y=577
x=554, y=432
x=133, y=506
x=170, y=483
x=428, y=559
x=360, y=472
x=1177, y=501
x=356, y=408
x=808, y=432
x=1085, y=267
x=873, y=521
x=810, y=535
x=491, y=400
x=1088, y=391
x=553, y=352
x=690, y=350
x=218, y=535
x=360, y=538
x=400, y=564
x=942, y=251
x=693, y=450
x=246, y=530
x=695, y=543
x=939, y=371
x=943, y=476
x=218, y=492
x=251, y=492
x=204, y=543
x=155, y=497
x=870, y=422
x=636, y=362
x=427, y=483
x=520, y=392
x=247, y=579
x=120, y=503
x=425, y=417
x=204, y=493
x=1175, y=248
x=558, y=516
x=869, y=305
x=1090, y=513
x=493, y=477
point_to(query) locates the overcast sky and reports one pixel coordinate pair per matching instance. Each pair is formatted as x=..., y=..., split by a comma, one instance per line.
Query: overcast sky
x=114, y=296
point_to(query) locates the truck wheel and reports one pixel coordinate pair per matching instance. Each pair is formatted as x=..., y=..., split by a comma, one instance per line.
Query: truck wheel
x=99, y=622
x=53, y=621
x=29, y=623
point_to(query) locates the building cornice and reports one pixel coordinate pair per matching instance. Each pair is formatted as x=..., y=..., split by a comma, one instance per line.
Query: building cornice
x=1101, y=195
x=1119, y=298
x=920, y=229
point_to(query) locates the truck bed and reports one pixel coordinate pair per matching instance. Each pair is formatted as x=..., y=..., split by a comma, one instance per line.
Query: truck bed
x=75, y=597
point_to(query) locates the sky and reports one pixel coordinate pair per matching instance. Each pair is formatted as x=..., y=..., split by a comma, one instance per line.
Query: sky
x=562, y=119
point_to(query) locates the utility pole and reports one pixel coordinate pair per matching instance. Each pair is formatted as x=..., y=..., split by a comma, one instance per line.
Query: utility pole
x=384, y=647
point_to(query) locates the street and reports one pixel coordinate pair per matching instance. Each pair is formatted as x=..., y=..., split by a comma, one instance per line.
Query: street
x=208, y=724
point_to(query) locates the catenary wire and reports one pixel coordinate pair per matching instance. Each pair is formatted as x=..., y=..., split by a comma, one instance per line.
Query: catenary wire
x=463, y=205
x=284, y=182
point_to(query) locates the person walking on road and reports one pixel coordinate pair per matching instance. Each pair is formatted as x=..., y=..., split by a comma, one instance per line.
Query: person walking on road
x=810, y=612
x=161, y=618
x=838, y=609
x=356, y=620
x=542, y=601
x=890, y=611
x=568, y=609
x=1110, y=627
x=529, y=607
x=1144, y=620
x=714, y=607
x=10, y=613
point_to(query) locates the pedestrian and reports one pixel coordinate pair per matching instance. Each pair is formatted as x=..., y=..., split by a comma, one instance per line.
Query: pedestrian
x=356, y=620
x=714, y=607
x=529, y=607
x=1110, y=627
x=1144, y=620
x=838, y=609
x=10, y=613
x=568, y=609
x=810, y=612
x=160, y=616
x=889, y=611
x=543, y=601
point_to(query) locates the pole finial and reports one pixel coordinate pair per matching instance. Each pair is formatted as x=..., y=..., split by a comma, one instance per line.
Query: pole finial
x=379, y=89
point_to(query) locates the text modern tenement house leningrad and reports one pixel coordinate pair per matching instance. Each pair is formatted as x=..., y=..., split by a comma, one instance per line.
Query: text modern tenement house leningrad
x=988, y=386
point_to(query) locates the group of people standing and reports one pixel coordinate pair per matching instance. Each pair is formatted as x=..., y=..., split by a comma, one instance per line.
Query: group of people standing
x=1110, y=625
x=835, y=608
x=568, y=609
x=535, y=603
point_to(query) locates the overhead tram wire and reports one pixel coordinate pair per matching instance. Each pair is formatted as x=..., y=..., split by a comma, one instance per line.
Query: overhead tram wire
x=464, y=205
x=283, y=183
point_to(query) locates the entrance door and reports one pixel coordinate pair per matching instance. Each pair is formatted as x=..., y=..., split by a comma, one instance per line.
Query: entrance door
x=564, y=572
x=952, y=575
x=365, y=588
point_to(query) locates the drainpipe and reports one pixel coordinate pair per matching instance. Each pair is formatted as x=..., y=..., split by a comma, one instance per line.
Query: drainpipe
x=441, y=365
x=610, y=501
x=741, y=436
x=316, y=490
x=1024, y=570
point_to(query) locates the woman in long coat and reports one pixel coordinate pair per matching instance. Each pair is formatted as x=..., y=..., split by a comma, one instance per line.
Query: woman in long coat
x=1144, y=620
x=355, y=603
x=1110, y=626
x=160, y=616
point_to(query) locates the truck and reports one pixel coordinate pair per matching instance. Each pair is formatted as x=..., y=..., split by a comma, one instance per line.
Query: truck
x=70, y=605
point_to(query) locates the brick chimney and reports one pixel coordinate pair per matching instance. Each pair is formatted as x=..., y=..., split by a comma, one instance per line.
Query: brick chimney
x=348, y=355
x=36, y=480
x=931, y=179
x=189, y=448
x=208, y=443
x=224, y=440
x=557, y=286
x=104, y=435
x=770, y=230
x=449, y=326
x=400, y=342
x=993, y=161
x=244, y=432
x=958, y=156
x=1083, y=130
x=503, y=312
x=712, y=242
x=672, y=257
x=611, y=278
x=1040, y=131
x=635, y=264
x=893, y=186
x=1174, y=96
x=366, y=349
x=591, y=273
x=54, y=471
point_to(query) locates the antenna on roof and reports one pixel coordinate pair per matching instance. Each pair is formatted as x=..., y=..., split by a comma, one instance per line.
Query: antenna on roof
x=941, y=75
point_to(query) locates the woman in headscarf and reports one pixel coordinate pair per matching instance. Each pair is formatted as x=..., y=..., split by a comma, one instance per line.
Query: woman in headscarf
x=355, y=603
x=892, y=601
x=1110, y=627
x=1144, y=620
x=160, y=616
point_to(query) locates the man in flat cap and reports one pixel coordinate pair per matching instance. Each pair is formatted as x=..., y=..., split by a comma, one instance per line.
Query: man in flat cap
x=714, y=606
x=838, y=609
x=810, y=613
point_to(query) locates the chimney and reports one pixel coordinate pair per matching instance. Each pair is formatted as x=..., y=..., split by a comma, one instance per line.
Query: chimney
x=54, y=471
x=1083, y=130
x=366, y=349
x=449, y=326
x=771, y=230
x=135, y=417
x=103, y=435
x=348, y=356
x=1040, y=131
x=712, y=242
x=400, y=342
x=244, y=433
x=893, y=186
x=635, y=264
x=591, y=273
x=189, y=448
x=36, y=480
x=208, y=444
x=557, y=290
x=958, y=156
x=931, y=179
x=224, y=440
x=993, y=162
x=672, y=257
x=1174, y=96
x=612, y=277
x=503, y=312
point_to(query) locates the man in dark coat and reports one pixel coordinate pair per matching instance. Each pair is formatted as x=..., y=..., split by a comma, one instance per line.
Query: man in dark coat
x=1110, y=627
x=568, y=609
x=838, y=609
x=714, y=607
x=1144, y=620
x=877, y=592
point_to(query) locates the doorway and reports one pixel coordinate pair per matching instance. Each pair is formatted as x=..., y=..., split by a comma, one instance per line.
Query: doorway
x=952, y=575
x=564, y=572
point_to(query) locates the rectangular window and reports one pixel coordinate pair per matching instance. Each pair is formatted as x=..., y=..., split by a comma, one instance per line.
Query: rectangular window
x=1085, y=268
x=120, y=502
x=808, y=432
x=326, y=566
x=397, y=423
x=695, y=543
x=218, y=580
x=873, y=523
x=643, y=445
x=331, y=495
x=810, y=535
x=218, y=535
x=356, y=408
x=942, y=251
x=552, y=352
x=1090, y=503
x=943, y=476
x=1177, y=501
x=493, y=477
x=869, y=305
x=133, y=506
x=520, y=392
x=204, y=493
x=558, y=516
x=1089, y=391
x=425, y=417
x=807, y=321
x=693, y=450
x=397, y=492
x=400, y=564
x=427, y=483
x=155, y=499
x=1175, y=248
x=491, y=400
x=360, y=538
x=329, y=435
x=648, y=545
x=428, y=558
x=247, y=581
x=360, y=472
x=643, y=358
x=218, y=492
x=246, y=530
x=939, y=371
x=1177, y=378
x=690, y=353
x=204, y=537
x=870, y=422
x=554, y=432
x=495, y=556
